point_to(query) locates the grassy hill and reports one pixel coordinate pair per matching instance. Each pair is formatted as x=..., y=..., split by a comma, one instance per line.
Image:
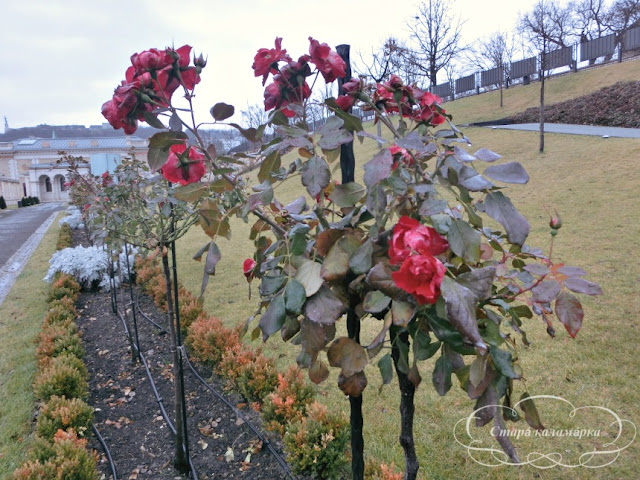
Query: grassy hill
x=594, y=369
x=485, y=107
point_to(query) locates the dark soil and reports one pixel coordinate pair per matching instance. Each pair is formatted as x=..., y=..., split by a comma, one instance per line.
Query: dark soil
x=615, y=106
x=128, y=415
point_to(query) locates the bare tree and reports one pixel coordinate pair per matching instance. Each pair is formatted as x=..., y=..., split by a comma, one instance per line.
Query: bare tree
x=495, y=51
x=436, y=33
x=549, y=24
x=254, y=116
x=590, y=18
x=622, y=16
x=541, y=27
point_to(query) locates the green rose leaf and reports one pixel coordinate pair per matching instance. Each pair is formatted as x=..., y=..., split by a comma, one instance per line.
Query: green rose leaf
x=159, y=145
x=580, y=285
x=500, y=208
x=442, y=375
x=570, y=313
x=386, y=369
x=191, y=192
x=503, y=362
x=309, y=276
x=272, y=320
x=315, y=175
x=464, y=240
x=318, y=372
x=375, y=301
x=294, y=296
x=360, y=261
x=348, y=355
x=221, y=111
x=486, y=155
x=378, y=168
x=461, y=311
x=324, y=307
x=531, y=414
x=470, y=179
x=508, y=173
x=347, y=195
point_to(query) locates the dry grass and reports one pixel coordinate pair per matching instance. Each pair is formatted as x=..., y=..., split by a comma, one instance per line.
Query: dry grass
x=592, y=182
x=477, y=108
x=20, y=322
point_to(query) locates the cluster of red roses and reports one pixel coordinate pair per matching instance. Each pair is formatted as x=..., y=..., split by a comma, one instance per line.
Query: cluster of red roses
x=184, y=165
x=415, y=246
x=419, y=105
x=289, y=82
x=149, y=83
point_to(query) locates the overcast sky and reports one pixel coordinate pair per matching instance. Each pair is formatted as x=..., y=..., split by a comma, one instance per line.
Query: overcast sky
x=61, y=59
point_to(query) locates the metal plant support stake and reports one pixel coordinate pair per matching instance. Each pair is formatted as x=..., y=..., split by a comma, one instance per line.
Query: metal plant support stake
x=348, y=166
x=133, y=310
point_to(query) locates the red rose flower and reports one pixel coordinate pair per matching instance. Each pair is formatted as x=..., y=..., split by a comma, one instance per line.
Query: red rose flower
x=183, y=168
x=421, y=276
x=400, y=154
x=266, y=60
x=247, y=267
x=395, y=82
x=329, y=63
x=288, y=87
x=345, y=102
x=427, y=112
x=410, y=236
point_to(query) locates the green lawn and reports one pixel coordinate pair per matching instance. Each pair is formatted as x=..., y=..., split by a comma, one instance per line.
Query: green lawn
x=592, y=182
x=20, y=322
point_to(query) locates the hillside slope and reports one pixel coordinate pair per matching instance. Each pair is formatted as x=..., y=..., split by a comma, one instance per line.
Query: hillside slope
x=614, y=106
x=517, y=99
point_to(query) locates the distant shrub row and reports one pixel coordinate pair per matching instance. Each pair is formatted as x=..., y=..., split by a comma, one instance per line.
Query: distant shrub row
x=28, y=201
x=60, y=386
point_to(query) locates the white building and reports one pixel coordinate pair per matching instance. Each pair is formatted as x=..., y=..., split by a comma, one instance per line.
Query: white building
x=33, y=166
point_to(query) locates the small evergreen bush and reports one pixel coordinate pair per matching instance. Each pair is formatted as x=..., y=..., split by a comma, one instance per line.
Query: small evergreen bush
x=66, y=458
x=209, y=339
x=60, y=379
x=60, y=413
x=3, y=203
x=316, y=444
x=251, y=373
x=56, y=340
x=289, y=401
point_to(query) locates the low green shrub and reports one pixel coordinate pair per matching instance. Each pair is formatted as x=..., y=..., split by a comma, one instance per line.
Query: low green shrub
x=58, y=315
x=316, y=444
x=60, y=413
x=64, y=237
x=289, y=401
x=58, y=293
x=251, y=373
x=64, y=458
x=208, y=339
x=3, y=203
x=57, y=340
x=60, y=379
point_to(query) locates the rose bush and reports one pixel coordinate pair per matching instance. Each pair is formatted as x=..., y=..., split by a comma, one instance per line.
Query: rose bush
x=425, y=241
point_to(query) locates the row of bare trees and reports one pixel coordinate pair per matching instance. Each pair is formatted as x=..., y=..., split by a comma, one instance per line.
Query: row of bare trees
x=435, y=41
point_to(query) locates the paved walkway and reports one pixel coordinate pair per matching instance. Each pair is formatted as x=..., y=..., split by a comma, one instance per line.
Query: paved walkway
x=21, y=231
x=575, y=129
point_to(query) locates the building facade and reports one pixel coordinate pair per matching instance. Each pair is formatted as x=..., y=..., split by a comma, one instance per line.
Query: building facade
x=34, y=166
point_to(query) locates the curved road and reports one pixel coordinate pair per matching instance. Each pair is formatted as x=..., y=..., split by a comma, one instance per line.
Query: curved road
x=20, y=233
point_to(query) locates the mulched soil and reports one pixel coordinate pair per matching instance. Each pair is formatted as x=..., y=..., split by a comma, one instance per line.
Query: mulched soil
x=129, y=418
x=617, y=105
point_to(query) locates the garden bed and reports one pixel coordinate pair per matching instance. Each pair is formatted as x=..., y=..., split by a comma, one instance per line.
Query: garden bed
x=129, y=417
